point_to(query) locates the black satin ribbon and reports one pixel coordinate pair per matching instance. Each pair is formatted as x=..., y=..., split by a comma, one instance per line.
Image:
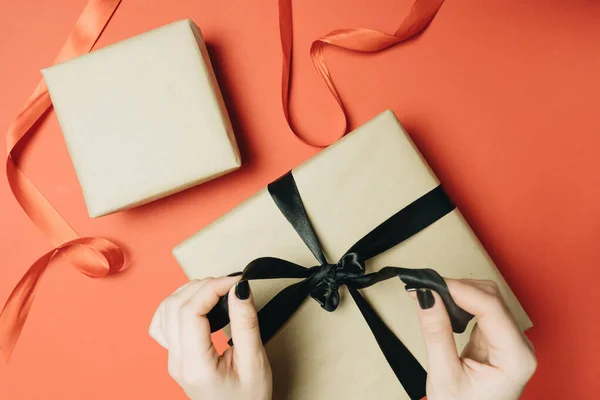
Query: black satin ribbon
x=322, y=282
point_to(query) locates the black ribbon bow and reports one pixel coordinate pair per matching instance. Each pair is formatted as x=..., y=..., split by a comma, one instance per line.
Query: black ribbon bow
x=322, y=282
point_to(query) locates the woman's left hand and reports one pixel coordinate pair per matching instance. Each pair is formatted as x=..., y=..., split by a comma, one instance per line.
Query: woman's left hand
x=180, y=326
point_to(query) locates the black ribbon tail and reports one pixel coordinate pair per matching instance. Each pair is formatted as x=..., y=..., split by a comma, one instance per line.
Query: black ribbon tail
x=420, y=279
x=407, y=222
x=286, y=196
x=218, y=317
x=274, y=268
x=430, y=279
x=406, y=367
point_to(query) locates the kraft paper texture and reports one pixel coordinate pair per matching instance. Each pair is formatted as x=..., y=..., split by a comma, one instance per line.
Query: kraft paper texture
x=143, y=118
x=347, y=190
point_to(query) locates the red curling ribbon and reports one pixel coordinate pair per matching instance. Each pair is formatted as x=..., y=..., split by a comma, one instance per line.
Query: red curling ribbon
x=94, y=257
x=357, y=39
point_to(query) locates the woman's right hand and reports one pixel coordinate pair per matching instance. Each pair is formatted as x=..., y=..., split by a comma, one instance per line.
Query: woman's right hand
x=498, y=360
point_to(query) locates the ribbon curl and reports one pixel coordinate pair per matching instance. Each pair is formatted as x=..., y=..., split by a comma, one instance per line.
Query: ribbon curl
x=358, y=39
x=322, y=282
x=94, y=257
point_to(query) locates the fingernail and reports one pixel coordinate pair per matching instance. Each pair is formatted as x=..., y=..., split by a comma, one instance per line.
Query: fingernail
x=426, y=299
x=410, y=288
x=242, y=290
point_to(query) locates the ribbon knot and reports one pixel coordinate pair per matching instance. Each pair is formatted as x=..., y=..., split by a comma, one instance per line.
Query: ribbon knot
x=325, y=282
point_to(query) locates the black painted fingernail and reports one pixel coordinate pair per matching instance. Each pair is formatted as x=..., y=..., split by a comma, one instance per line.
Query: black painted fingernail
x=410, y=288
x=242, y=290
x=426, y=299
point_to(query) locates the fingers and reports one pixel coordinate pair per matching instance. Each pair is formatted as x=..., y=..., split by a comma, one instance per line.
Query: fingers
x=190, y=302
x=172, y=307
x=159, y=322
x=497, y=339
x=156, y=329
x=194, y=332
x=442, y=357
x=483, y=299
x=204, y=299
x=477, y=348
x=248, y=347
x=181, y=326
x=479, y=297
x=192, y=354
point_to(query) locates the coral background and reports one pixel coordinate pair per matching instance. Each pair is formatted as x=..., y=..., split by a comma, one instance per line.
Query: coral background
x=501, y=96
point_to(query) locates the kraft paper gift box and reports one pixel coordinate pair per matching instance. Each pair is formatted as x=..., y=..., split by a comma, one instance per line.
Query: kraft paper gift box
x=143, y=118
x=347, y=189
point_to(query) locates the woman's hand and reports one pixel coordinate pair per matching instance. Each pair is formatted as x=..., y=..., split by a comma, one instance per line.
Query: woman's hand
x=180, y=326
x=497, y=362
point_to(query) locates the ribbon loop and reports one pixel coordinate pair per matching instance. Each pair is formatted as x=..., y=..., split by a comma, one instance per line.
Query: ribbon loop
x=357, y=39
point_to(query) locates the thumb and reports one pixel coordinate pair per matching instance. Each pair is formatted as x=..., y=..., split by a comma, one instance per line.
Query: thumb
x=248, y=347
x=442, y=356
